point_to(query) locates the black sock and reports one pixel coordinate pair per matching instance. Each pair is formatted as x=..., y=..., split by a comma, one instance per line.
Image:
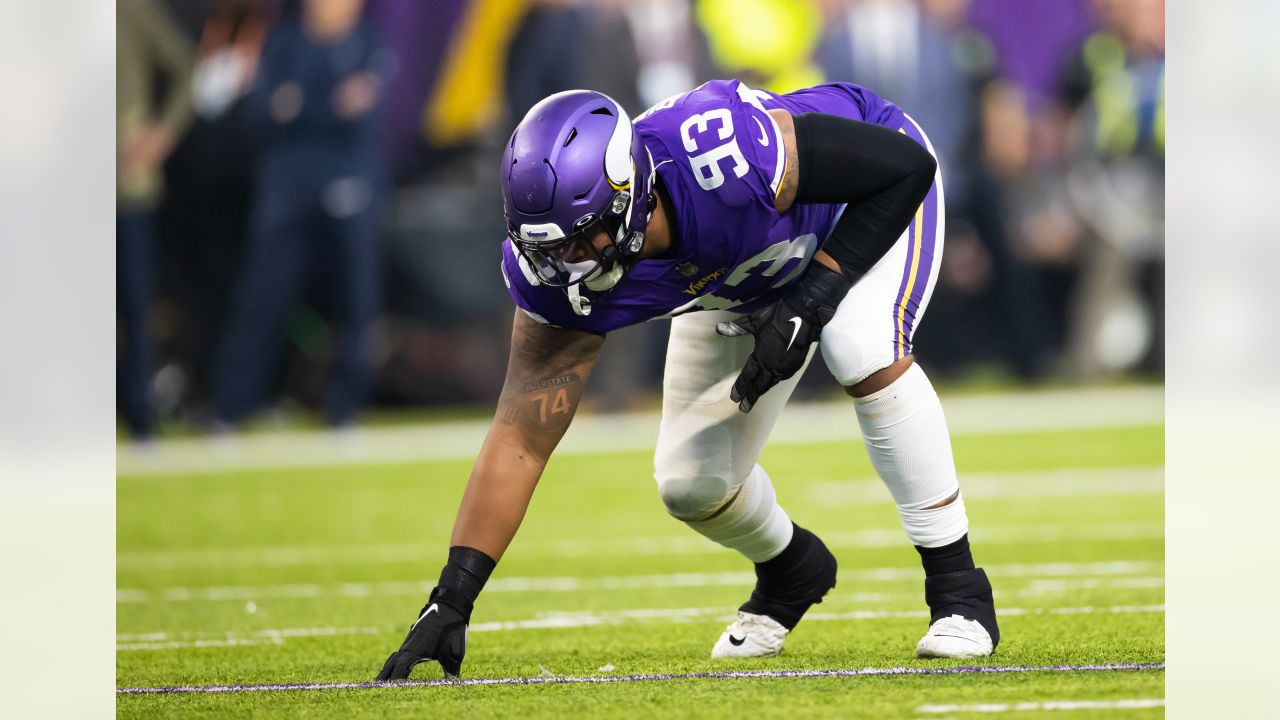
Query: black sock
x=948, y=558
x=787, y=585
x=462, y=578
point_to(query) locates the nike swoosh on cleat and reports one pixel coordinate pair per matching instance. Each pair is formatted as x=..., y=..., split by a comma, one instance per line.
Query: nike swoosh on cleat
x=425, y=613
x=795, y=321
x=737, y=641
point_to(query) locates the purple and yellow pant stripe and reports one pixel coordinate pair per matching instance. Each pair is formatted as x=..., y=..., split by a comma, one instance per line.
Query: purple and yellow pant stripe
x=923, y=241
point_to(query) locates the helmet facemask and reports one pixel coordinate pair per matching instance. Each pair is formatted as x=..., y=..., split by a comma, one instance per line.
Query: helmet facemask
x=561, y=262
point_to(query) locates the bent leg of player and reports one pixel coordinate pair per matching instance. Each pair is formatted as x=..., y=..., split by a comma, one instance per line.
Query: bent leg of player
x=867, y=346
x=707, y=475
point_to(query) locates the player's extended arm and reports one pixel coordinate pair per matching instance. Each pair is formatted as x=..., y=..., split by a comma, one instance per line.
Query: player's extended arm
x=882, y=176
x=546, y=373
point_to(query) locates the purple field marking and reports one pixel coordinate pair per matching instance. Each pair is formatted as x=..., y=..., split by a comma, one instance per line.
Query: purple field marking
x=550, y=680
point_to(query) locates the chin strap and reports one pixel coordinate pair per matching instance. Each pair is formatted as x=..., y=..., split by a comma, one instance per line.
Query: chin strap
x=605, y=281
x=580, y=303
x=622, y=263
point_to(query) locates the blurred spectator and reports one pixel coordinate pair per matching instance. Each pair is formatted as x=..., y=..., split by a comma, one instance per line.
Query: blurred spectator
x=997, y=294
x=1114, y=95
x=1032, y=40
x=314, y=106
x=917, y=54
x=923, y=56
x=230, y=43
x=764, y=43
x=148, y=124
x=203, y=221
x=671, y=50
x=418, y=34
x=547, y=54
x=1113, y=86
x=610, y=34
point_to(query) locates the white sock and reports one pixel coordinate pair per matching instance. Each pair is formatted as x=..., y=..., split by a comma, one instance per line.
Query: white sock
x=906, y=436
x=752, y=523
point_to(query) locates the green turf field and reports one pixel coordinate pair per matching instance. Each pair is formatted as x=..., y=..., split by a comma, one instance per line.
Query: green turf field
x=314, y=575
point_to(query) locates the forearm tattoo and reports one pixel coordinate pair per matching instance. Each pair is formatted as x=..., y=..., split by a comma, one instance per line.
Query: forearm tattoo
x=542, y=405
x=545, y=378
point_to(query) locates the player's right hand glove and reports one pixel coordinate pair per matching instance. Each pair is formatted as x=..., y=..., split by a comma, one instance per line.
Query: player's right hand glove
x=784, y=331
x=440, y=634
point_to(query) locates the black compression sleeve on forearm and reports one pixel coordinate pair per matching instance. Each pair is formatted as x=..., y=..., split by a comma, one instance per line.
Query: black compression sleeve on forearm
x=881, y=174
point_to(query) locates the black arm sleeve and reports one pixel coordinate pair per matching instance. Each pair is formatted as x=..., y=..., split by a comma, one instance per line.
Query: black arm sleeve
x=883, y=176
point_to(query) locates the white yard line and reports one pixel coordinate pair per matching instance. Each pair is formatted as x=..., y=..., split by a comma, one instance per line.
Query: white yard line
x=655, y=677
x=1095, y=482
x=681, y=544
x=608, y=582
x=557, y=620
x=1016, y=412
x=1132, y=704
x=1043, y=587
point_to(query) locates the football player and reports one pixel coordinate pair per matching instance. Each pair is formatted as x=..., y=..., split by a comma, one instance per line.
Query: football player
x=764, y=226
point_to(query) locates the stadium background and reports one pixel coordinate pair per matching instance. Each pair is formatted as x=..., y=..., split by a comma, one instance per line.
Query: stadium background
x=1048, y=117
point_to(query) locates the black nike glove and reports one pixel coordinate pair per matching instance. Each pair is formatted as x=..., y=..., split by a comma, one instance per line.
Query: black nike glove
x=784, y=331
x=440, y=634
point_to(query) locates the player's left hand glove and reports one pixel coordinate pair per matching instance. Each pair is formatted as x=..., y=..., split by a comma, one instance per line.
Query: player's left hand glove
x=784, y=331
x=440, y=634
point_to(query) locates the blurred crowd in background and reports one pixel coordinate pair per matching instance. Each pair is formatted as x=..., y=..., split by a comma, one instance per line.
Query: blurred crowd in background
x=308, y=211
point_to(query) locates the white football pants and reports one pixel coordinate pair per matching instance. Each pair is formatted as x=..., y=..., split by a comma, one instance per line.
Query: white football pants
x=705, y=462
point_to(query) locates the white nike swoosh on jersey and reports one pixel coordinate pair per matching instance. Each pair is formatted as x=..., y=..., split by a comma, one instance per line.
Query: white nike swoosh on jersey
x=764, y=136
x=794, y=331
x=425, y=613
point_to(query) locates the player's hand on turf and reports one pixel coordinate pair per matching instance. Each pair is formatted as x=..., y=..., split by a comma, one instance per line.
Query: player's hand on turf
x=784, y=331
x=440, y=634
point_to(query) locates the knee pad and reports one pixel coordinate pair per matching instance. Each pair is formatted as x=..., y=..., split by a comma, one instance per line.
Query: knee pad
x=695, y=498
x=935, y=527
x=744, y=516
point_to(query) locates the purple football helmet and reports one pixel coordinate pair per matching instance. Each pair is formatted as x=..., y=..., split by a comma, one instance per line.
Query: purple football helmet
x=575, y=167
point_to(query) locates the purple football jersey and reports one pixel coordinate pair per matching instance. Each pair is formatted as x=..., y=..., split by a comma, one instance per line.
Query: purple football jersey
x=719, y=155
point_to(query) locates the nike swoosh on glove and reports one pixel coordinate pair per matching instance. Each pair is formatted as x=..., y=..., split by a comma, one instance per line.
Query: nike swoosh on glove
x=784, y=331
x=440, y=634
